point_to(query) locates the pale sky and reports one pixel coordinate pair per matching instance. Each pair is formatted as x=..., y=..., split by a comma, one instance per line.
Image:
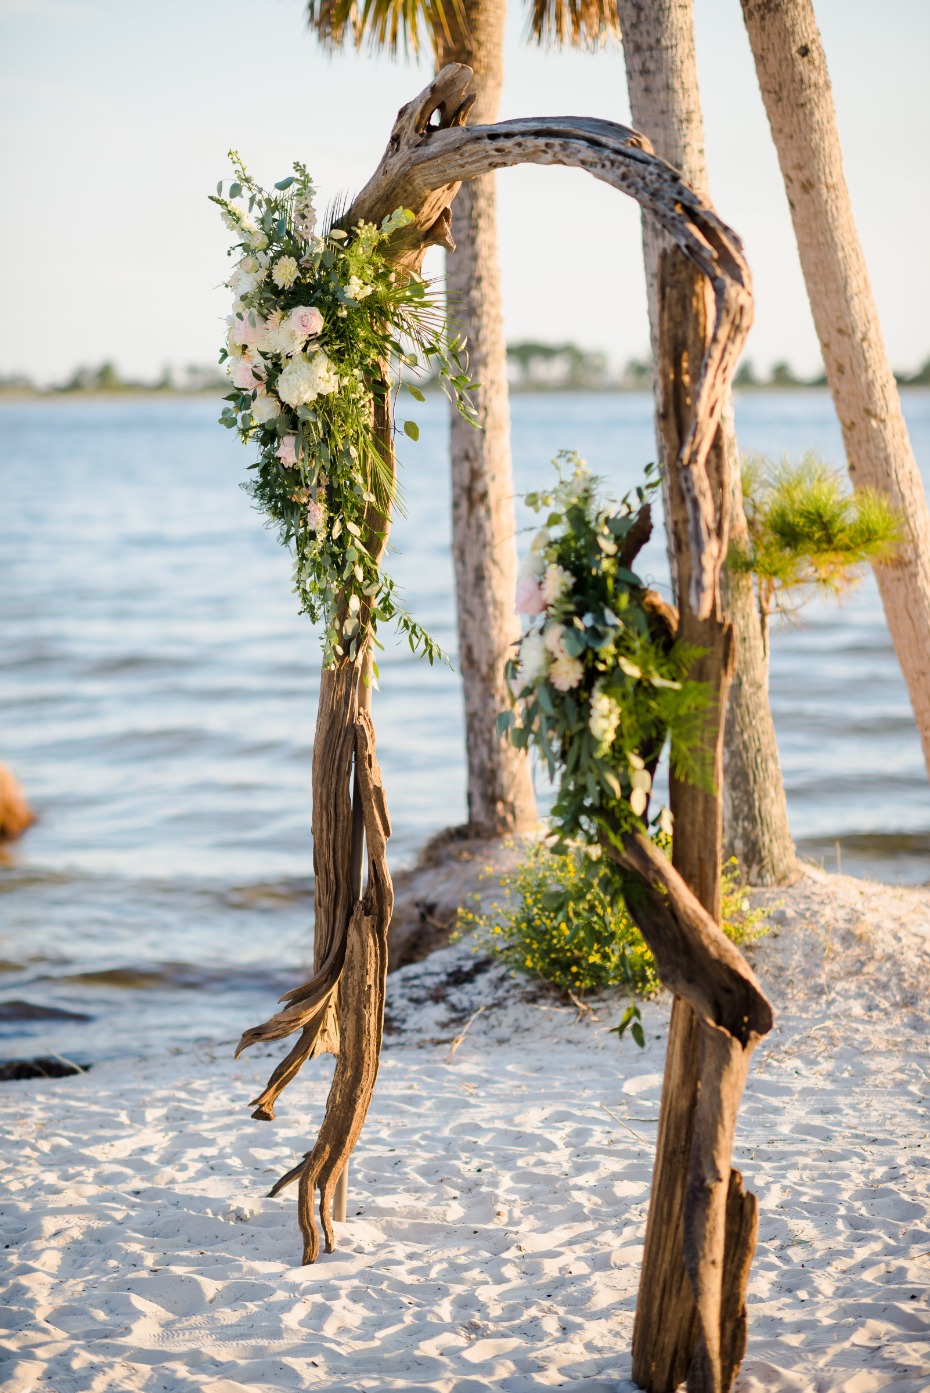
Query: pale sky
x=116, y=116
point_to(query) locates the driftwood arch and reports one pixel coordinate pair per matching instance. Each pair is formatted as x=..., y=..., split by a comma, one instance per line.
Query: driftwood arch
x=701, y=1231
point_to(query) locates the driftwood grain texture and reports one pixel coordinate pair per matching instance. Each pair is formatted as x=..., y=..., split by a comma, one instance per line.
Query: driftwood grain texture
x=361, y=1015
x=690, y=1318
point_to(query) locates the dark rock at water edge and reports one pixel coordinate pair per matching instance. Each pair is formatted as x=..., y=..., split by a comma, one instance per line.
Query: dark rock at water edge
x=43, y=1067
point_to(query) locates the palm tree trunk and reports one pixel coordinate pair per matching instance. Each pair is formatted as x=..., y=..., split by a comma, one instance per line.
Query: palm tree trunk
x=795, y=85
x=661, y=67
x=500, y=792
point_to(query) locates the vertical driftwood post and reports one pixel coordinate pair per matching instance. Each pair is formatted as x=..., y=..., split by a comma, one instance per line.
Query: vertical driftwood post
x=691, y=1318
x=341, y=1009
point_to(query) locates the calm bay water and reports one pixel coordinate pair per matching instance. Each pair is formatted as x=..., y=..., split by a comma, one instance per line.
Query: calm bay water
x=158, y=694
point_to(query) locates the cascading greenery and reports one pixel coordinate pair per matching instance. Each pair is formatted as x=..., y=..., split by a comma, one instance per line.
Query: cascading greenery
x=322, y=325
x=598, y=685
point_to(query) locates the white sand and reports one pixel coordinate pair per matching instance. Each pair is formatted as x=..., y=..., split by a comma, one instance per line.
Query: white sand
x=496, y=1208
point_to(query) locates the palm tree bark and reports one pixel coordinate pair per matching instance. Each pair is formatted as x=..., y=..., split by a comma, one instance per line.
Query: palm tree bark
x=795, y=85
x=661, y=68
x=500, y=791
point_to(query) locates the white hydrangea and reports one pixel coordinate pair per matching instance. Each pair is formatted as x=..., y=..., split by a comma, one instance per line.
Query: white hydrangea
x=305, y=379
x=534, y=658
x=604, y=718
x=566, y=673
x=555, y=583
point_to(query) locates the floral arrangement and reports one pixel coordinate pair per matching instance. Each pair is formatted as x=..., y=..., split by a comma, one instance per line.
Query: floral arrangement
x=320, y=324
x=598, y=685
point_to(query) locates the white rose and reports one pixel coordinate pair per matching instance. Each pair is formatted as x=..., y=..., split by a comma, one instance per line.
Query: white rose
x=265, y=408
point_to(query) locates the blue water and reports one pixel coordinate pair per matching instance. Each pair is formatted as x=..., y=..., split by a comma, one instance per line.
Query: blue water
x=158, y=693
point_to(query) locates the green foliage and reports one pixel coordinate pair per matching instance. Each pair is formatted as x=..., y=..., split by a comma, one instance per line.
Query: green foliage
x=807, y=531
x=562, y=917
x=308, y=403
x=597, y=686
x=394, y=25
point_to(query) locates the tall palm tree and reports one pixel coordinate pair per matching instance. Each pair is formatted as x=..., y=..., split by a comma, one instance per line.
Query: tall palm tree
x=792, y=71
x=500, y=793
x=665, y=100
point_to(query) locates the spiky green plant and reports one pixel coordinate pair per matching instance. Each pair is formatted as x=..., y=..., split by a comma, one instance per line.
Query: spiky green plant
x=807, y=533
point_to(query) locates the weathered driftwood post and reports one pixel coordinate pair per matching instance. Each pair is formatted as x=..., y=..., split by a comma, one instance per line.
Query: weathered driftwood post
x=700, y=1237
x=701, y=1226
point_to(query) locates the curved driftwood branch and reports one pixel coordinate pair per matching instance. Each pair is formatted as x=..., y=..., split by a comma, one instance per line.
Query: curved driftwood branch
x=425, y=162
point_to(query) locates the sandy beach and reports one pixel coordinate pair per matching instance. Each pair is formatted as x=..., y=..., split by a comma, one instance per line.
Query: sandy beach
x=498, y=1194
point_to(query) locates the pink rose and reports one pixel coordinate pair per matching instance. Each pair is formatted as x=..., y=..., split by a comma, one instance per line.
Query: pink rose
x=246, y=375
x=305, y=321
x=285, y=451
x=529, y=598
x=247, y=334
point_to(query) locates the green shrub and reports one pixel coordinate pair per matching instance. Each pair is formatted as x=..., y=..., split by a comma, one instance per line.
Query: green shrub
x=561, y=918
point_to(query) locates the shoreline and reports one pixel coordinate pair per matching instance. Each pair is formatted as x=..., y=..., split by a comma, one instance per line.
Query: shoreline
x=498, y=1193
x=133, y=394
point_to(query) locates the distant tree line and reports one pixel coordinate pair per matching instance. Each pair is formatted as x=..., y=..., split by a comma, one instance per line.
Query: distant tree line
x=540, y=367
x=108, y=379
x=531, y=367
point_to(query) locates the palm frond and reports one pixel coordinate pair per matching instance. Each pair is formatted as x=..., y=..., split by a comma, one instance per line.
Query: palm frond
x=578, y=23
x=398, y=26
